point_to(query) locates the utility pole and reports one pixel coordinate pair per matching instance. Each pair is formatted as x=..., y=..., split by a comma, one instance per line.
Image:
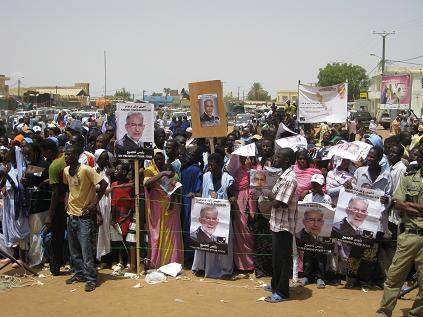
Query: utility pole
x=238, y=93
x=143, y=95
x=19, y=88
x=105, y=77
x=383, y=34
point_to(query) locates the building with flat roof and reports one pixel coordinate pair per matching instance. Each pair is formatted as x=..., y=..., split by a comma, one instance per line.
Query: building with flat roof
x=283, y=96
x=4, y=89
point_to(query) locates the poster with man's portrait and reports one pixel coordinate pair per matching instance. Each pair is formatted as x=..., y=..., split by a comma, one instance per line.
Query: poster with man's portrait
x=357, y=216
x=207, y=105
x=262, y=181
x=208, y=115
x=134, y=131
x=314, y=226
x=210, y=220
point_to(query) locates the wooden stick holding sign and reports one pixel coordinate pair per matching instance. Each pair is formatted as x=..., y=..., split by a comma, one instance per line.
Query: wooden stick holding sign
x=137, y=213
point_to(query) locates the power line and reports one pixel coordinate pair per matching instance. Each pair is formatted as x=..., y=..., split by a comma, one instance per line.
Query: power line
x=383, y=34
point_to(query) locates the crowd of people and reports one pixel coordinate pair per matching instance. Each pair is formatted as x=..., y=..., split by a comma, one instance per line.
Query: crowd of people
x=68, y=200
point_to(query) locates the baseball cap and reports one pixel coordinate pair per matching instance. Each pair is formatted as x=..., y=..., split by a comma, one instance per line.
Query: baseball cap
x=420, y=128
x=318, y=178
x=36, y=128
x=189, y=130
x=257, y=137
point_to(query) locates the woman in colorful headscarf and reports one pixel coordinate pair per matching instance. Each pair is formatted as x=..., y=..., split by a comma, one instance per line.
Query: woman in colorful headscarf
x=163, y=216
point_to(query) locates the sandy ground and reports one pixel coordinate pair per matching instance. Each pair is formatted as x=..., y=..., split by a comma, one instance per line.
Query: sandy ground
x=188, y=296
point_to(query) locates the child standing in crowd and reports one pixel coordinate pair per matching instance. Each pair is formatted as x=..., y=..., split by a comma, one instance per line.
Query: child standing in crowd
x=123, y=209
x=317, y=196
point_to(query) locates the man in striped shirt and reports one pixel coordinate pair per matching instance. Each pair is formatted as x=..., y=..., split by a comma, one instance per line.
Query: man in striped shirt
x=282, y=225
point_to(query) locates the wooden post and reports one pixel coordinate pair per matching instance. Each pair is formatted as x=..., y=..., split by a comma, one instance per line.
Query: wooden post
x=211, y=140
x=137, y=213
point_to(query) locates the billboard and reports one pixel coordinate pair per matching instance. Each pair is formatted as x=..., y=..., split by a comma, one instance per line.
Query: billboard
x=395, y=92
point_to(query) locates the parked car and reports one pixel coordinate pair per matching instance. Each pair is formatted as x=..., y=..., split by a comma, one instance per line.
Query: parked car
x=385, y=120
x=242, y=118
x=363, y=118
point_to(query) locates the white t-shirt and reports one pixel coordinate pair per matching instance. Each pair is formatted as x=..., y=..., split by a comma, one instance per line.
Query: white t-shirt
x=316, y=198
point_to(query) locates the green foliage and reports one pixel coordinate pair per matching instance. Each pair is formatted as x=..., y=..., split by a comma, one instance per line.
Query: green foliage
x=257, y=93
x=157, y=94
x=337, y=73
x=123, y=94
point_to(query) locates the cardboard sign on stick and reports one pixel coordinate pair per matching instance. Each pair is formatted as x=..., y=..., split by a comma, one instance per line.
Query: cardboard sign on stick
x=208, y=114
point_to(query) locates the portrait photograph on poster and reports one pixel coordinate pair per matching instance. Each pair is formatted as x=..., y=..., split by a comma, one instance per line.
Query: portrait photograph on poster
x=209, y=229
x=207, y=105
x=208, y=114
x=357, y=216
x=314, y=226
x=262, y=181
x=134, y=131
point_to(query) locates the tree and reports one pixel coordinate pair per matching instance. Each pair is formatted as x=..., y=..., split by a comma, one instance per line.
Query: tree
x=166, y=91
x=257, y=93
x=157, y=94
x=123, y=94
x=337, y=73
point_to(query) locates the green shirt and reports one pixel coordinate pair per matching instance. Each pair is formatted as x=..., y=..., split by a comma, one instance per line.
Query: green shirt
x=410, y=189
x=55, y=175
x=55, y=171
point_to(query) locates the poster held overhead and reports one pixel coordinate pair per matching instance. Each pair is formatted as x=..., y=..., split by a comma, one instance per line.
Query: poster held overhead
x=134, y=131
x=208, y=114
x=318, y=104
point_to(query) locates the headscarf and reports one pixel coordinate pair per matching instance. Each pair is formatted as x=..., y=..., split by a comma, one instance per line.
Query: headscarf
x=97, y=153
x=375, y=140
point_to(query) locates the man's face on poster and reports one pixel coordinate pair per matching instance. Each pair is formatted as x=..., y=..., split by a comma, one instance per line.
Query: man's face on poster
x=208, y=107
x=209, y=220
x=259, y=180
x=357, y=212
x=134, y=127
x=313, y=222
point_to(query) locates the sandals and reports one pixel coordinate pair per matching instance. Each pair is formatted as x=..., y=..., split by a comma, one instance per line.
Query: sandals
x=275, y=298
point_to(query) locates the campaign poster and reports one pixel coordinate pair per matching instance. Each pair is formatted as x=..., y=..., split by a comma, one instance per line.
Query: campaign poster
x=295, y=142
x=262, y=181
x=208, y=114
x=134, y=131
x=357, y=216
x=395, y=92
x=353, y=151
x=314, y=226
x=209, y=229
x=318, y=104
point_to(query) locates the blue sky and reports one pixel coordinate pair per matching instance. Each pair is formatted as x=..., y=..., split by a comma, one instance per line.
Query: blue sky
x=155, y=44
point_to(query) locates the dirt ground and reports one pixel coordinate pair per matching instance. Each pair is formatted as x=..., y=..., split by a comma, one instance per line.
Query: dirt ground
x=188, y=296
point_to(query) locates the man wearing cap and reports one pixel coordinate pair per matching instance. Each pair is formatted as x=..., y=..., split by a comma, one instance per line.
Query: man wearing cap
x=408, y=201
x=317, y=195
x=207, y=118
x=190, y=140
